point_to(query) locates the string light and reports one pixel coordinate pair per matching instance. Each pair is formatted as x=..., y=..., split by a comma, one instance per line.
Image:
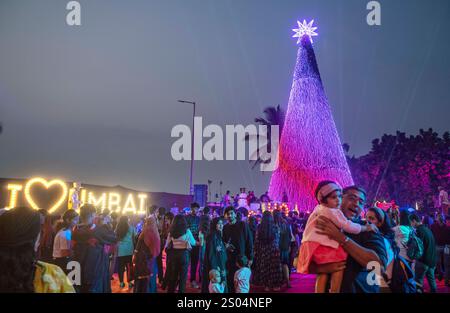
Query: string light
x=111, y=200
x=82, y=198
x=303, y=160
x=99, y=202
x=114, y=201
x=47, y=185
x=14, y=188
x=142, y=198
x=130, y=205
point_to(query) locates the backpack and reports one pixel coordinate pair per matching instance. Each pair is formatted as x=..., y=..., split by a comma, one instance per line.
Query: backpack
x=402, y=280
x=414, y=247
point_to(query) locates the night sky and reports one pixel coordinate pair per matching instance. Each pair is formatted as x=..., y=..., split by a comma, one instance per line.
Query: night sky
x=96, y=103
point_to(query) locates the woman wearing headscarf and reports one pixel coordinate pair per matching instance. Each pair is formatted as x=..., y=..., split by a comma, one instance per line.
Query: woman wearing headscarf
x=267, y=267
x=284, y=243
x=144, y=257
x=22, y=272
x=381, y=219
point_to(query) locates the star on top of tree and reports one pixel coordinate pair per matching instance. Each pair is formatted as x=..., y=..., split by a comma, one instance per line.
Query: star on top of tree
x=304, y=29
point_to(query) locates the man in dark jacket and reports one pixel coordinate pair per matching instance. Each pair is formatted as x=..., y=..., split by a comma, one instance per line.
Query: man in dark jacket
x=89, y=250
x=238, y=241
x=426, y=265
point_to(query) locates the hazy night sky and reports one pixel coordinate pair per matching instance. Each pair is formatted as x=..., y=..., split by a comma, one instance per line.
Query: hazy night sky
x=96, y=103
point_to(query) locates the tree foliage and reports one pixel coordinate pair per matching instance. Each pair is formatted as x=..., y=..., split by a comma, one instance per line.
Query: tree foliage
x=273, y=116
x=404, y=169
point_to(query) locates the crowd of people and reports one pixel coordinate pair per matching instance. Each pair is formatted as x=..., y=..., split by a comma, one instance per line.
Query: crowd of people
x=225, y=250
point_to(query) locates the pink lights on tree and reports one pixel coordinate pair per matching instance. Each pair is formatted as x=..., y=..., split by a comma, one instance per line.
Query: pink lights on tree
x=310, y=149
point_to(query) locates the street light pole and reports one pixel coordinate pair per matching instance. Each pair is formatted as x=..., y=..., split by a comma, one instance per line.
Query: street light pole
x=191, y=187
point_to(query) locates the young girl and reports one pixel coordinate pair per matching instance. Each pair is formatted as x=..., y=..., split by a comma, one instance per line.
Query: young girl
x=317, y=249
x=242, y=275
x=215, y=282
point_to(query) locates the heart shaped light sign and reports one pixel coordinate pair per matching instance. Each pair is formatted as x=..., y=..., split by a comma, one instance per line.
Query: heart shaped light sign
x=47, y=185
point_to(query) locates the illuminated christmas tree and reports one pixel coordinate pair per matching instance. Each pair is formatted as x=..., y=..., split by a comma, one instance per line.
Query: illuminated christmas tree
x=310, y=149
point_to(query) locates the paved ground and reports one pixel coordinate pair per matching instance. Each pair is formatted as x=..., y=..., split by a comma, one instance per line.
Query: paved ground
x=300, y=284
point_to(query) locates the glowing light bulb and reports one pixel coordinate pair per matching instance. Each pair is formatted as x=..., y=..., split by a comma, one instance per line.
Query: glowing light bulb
x=13, y=198
x=304, y=29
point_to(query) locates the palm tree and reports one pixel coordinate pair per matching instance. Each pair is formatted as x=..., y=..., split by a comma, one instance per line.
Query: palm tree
x=272, y=116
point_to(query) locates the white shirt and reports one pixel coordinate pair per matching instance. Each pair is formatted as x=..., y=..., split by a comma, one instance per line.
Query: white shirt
x=337, y=217
x=242, y=280
x=402, y=235
x=216, y=287
x=62, y=242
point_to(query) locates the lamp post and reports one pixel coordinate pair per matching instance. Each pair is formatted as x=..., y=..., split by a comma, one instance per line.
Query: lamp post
x=209, y=189
x=191, y=187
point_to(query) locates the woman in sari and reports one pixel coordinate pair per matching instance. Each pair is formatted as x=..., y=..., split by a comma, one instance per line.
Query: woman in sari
x=144, y=258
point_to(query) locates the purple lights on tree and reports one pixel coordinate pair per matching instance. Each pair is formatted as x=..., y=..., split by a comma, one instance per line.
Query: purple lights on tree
x=310, y=149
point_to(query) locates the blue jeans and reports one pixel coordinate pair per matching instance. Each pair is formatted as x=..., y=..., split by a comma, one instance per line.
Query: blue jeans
x=141, y=285
x=152, y=288
x=178, y=264
x=423, y=270
x=195, y=254
x=443, y=263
